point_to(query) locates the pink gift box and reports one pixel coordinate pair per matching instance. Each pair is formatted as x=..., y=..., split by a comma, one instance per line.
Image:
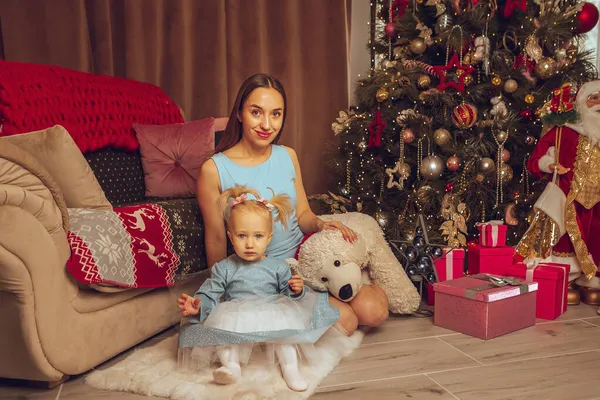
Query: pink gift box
x=489, y=260
x=552, y=280
x=492, y=234
x=475, y=306
x=450, y=266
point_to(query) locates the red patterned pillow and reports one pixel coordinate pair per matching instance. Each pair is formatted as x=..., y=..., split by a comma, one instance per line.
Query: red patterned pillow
x=172, y=155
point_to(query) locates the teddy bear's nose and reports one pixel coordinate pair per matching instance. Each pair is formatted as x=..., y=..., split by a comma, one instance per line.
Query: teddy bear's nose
x=345, y=292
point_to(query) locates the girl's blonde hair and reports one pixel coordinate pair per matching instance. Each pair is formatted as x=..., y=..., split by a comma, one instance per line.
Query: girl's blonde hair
x=281, y=202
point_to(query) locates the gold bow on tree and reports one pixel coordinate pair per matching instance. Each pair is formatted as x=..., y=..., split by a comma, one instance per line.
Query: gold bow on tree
x=456, y=213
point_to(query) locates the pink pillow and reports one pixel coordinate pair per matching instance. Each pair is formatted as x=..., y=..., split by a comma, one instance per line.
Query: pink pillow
x=172, y=155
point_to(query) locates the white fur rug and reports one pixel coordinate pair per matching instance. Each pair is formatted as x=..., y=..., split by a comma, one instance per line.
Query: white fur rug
x=151, y=371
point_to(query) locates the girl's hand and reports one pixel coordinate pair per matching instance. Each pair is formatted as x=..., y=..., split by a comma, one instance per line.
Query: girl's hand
x=296, y=284
x=561, y=170
x=348, y=234
x=188, y=305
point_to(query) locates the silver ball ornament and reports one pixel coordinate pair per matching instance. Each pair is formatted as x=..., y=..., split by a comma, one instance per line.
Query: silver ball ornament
x=441, y=136
x=511, y=86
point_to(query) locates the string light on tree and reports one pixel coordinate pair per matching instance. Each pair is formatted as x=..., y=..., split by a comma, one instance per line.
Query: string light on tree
x=428, y=123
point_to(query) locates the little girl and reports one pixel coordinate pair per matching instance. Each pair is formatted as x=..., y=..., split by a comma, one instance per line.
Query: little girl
x=263, y=302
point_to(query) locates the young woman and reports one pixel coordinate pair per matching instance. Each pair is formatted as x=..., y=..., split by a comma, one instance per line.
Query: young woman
x=248, y=155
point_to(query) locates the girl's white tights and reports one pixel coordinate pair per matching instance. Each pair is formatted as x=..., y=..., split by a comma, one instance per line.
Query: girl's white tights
x=230, y=370
x=288, y=361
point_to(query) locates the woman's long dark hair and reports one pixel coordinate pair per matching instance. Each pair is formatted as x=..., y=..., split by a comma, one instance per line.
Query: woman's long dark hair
x=233, y=131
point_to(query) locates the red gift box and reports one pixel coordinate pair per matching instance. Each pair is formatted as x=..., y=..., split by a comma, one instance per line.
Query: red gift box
x=450, y=266
x=552, y=280
x=489, y=260
x=492, y=234
x=476, y=306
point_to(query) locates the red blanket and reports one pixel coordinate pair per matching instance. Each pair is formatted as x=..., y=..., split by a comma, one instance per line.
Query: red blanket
x=97, y=110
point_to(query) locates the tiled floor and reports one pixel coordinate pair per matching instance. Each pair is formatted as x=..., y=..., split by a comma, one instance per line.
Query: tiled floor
x=410, y=358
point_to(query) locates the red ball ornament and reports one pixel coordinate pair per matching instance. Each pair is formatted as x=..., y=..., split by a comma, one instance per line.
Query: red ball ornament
x=587, y=18
x=526, y=113
x=390, y=30
x=505, y=155
x=449, y=187
x=453, y=163
x=464, y=115
x=408, y=136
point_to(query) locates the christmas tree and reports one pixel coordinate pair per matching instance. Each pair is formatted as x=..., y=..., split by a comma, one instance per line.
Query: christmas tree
x=446, y=119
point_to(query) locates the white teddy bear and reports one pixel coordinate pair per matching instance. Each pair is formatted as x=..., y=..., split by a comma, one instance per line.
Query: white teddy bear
x=327, y=262
x=499, y=109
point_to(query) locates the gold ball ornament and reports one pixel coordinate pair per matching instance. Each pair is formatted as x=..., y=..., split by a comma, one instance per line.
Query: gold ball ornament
x=441, y=136
x=545, y=68
x=404, y=170
x=468, y=59
x=382, y=94
x=418, y=46
x=511, y=86
x=453, y=163
x=432, y=167
x=501, y=136
x=468, y=79
x=529, y=98
x=424, y=193
x=506, y=172
x=529, y=140
x=464, y=115
x=496, y=81
x=362, y=146
x=423, y=81
x=486, y=165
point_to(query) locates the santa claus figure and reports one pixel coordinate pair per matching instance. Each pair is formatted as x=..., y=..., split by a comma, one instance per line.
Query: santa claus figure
x=572, y=150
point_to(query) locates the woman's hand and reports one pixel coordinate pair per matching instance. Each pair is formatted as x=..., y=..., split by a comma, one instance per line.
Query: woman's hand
x=348, y=234
x=188, y=305
x=561, y=170
x=296, y=284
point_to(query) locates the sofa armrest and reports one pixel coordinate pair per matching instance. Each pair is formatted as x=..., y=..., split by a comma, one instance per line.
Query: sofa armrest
x=35, y=292
x=26, y=183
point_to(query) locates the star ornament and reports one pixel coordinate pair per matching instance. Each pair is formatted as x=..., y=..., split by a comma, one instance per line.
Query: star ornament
x=512, y=4
x=462, y=71
x=398, y=8
x=419, y=254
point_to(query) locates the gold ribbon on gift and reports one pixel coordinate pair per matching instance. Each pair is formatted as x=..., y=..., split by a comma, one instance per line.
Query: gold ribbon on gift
x=495, y=281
